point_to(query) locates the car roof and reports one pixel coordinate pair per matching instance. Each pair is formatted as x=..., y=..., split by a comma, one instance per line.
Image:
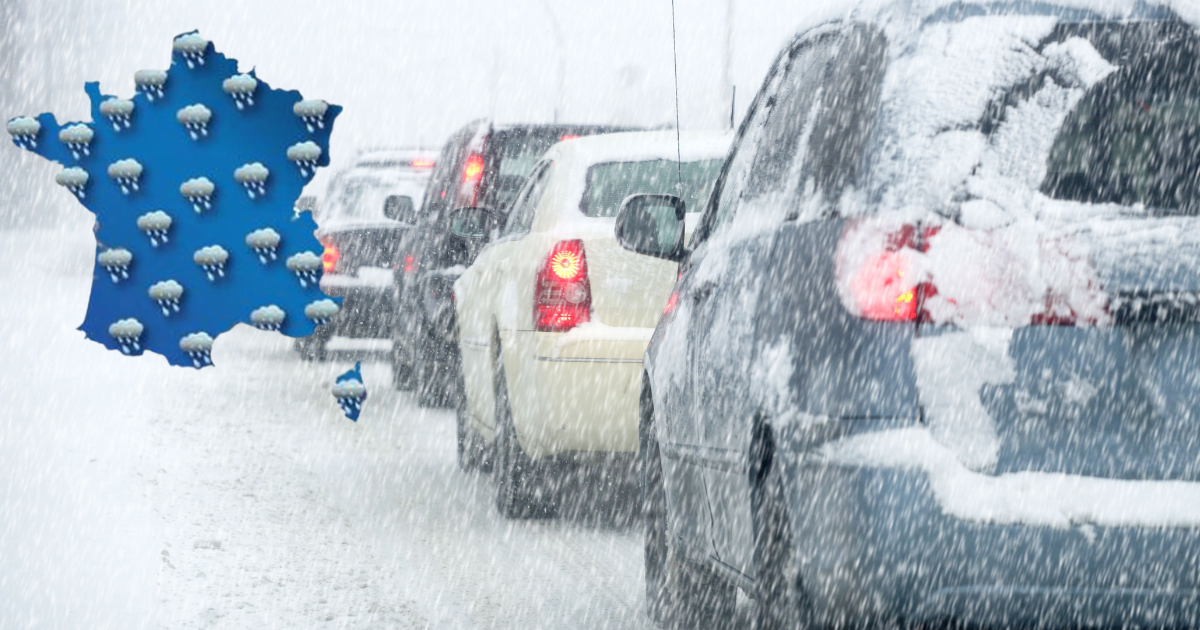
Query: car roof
x=1065, y=12
x=387, y=157
x=643, y=145
x=897, y=17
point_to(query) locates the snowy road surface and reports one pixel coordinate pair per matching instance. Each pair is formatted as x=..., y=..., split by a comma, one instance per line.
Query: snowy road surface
x=134, y=494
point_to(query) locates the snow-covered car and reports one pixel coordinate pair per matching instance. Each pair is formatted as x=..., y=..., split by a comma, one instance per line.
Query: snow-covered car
x=483, y=164
x=933, y=354
x=369, y=208
x=553, y=316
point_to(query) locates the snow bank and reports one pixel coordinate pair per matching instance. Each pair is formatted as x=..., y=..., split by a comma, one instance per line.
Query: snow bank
x=1038, y=499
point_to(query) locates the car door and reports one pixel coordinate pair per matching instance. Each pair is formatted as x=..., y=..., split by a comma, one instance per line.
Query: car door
x=681, y=430
x=484, y=302
x=729, y=295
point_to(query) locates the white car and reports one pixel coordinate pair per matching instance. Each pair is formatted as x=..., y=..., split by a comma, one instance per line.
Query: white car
x=554, y=317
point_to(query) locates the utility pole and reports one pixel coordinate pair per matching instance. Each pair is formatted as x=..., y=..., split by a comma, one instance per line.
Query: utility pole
x=561, y=43
x=727, y=87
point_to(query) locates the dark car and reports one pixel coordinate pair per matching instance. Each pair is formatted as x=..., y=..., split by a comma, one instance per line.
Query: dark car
x=369, y=208
x=481, y=165
x=934, y=350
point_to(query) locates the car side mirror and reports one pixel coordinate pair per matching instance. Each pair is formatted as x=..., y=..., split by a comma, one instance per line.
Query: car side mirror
x=400, y=208
x=652, y=225
x=471, y=223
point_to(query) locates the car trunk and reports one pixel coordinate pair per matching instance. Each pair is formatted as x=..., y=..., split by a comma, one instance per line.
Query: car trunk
x=1102, y=391
x=628, y=289
x=368, y=246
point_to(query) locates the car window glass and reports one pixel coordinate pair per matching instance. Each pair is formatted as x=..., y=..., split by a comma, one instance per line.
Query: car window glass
x=608, y=184
x=740, y=163
x=520, y=218
x=848, y=104
x=440, y=192
x=812, y=138
x=1134, y=138
x=791, y=119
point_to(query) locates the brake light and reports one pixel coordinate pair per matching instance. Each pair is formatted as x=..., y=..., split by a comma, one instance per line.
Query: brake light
x=473, y=169
x=888, y=286
x=330, y=258
x=472, y=175
x=674, y=299
x=410, y=264
x=419, y=163
x=564, y=296
x=567, y=137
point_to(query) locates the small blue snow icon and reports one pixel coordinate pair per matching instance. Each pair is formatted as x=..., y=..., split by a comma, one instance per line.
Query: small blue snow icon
x=350, y=392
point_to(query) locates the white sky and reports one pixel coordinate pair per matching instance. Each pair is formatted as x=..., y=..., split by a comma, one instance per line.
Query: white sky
x=411, y=72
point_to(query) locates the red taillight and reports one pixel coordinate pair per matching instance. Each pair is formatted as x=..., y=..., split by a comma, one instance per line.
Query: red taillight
x=330, y=258
x=564, y=295
x=567, y=137
x=419, y=163
x=887, y=286
x=674, y=299
x=410, y=264
x=473, y=170
x=885, y=289
x=671, y=301
x=472, y=175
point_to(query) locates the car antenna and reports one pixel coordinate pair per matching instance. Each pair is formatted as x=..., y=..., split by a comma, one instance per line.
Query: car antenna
x=678, y=140
x=732, y=106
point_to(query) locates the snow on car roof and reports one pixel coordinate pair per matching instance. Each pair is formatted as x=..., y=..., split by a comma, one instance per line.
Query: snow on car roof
x=384, y=157
x=907, y=14
x=642, y=145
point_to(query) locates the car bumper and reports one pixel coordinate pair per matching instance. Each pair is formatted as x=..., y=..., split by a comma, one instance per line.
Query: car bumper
x=874, y=543
x=576, y=397
x=368, y=309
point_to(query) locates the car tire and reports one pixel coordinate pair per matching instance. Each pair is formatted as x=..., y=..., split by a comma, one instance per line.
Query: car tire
x=781, y=602
x=402, y=373
x=429, y=393
x=472, y=453
x=431, y=373
x=679, y=593
x=521, y=488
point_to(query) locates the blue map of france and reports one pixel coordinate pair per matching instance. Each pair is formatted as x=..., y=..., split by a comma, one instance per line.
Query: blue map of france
x=193, y=181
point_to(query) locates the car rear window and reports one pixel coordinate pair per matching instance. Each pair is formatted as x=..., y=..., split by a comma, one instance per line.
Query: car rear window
x=1134, y=138
x=608, y=184
x=360, y=200
x=517, y=152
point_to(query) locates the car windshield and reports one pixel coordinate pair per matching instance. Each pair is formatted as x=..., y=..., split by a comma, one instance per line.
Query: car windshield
x=1134, y=138
x=610, y=183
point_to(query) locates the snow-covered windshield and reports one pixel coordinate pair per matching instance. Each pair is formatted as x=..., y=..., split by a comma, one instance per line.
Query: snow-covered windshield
x=610, y=183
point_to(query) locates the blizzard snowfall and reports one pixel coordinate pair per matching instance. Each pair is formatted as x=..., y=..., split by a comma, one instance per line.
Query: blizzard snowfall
x=142, y=495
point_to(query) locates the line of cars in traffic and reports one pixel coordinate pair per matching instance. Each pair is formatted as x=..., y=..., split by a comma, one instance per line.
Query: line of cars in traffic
x=917, y=345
